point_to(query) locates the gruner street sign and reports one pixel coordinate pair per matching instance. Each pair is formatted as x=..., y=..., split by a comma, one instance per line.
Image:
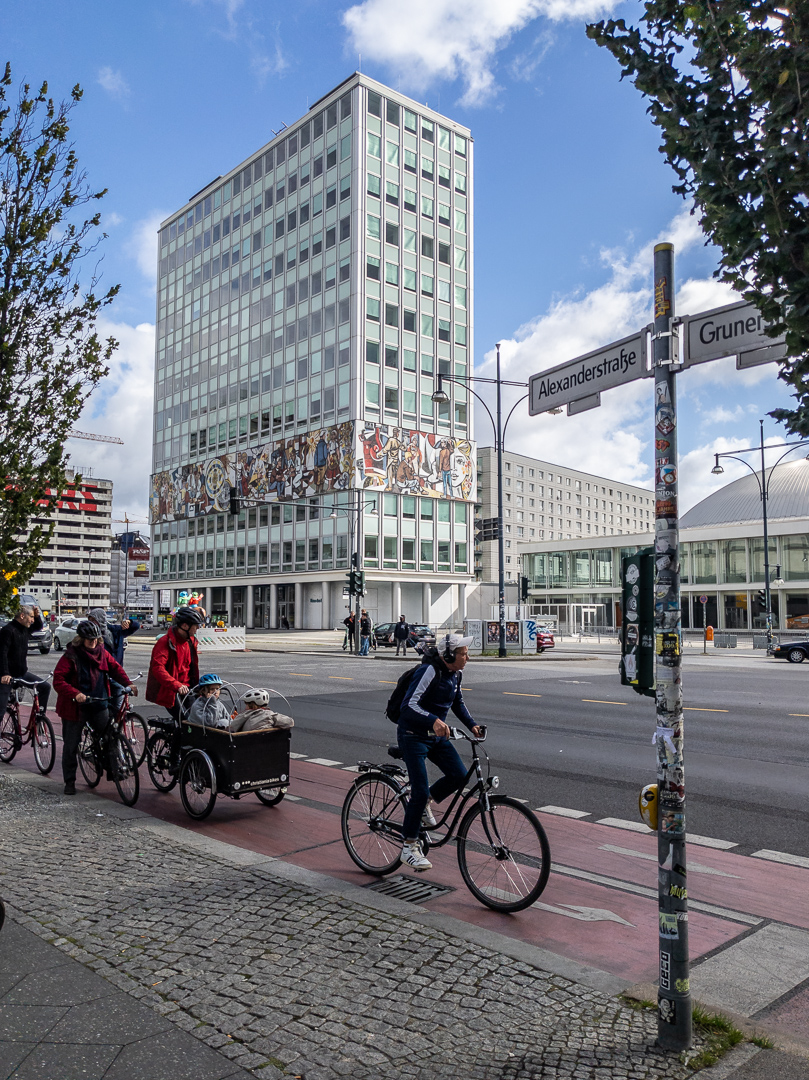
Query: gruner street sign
x=586, y=376
x=733, y=330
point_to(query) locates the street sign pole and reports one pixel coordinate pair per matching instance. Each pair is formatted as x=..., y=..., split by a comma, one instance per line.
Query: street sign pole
x=674, y=995
x=704, y=601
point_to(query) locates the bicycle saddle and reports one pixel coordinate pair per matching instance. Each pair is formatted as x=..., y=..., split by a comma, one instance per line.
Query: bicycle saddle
x=394, y=752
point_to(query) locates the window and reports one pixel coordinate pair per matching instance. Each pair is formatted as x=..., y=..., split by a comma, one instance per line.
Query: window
x=372, y=309
x=374, y=104
x=392, y=193
x=391, y=315
x=373, y=225
x=426, y=285
x=374, y=185
x=410, y=161
x=391, y=356
x=392, y=154
x=392, y=398
x=392, y=274
x=409, y=279
x=391, y=233
x=427, y=208
x=426, y=168
x=374, y=145
x=426, y=555
x=409, y=321
x=371, y=352
x=372, y=268
x=427, y=130
x=410, y=200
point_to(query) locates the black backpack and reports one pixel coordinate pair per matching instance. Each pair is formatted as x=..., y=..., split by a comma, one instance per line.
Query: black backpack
x=394, y=705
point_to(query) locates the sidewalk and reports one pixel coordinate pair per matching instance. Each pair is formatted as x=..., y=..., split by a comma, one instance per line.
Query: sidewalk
x=141, y=949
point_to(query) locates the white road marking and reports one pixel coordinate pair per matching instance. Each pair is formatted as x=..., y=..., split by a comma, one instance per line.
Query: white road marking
x=295, y=798
x=621, y=823
x=562, y=811
x=781, y=857
x=583, y=914
x=692, y=838
x=693, y=867
x=322, y=761
x=351, y=768
x=299, y=757
x=710, y=841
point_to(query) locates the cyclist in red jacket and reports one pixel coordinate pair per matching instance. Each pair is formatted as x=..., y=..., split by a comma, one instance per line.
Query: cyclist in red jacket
x=174, y=668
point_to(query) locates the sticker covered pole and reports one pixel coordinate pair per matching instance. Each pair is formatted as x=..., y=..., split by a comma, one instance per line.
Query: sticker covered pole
x=674, y=995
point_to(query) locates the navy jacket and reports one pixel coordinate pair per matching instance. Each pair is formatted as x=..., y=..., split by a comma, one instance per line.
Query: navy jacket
x=433, y=691
x=118, y=634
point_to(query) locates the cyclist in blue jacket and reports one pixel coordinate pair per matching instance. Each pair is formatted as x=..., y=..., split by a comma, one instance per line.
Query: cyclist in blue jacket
x=423, y=735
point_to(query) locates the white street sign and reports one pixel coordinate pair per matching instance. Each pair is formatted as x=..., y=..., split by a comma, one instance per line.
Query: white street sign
x=586, y=376
x=733, y=330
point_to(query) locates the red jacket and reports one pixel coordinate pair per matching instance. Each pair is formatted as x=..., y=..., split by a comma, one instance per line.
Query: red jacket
x=173, y=664
x=66, y=680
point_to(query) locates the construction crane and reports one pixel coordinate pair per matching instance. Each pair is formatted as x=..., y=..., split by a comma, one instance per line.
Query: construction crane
x=94, y=438
x=129, y=521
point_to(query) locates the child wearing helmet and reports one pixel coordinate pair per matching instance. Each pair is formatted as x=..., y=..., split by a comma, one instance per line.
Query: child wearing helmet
x=257, y=716
x=206, y=708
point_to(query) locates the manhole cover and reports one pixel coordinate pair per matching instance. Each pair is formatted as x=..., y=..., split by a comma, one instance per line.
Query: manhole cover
x=408, y=888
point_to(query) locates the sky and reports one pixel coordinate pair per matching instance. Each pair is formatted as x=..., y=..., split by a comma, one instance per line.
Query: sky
x=571, y=192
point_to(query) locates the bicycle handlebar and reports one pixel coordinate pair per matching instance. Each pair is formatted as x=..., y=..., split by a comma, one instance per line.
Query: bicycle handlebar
x=21, y=682
x=459, y=733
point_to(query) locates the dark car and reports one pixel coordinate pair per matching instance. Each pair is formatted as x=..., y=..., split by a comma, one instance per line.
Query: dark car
x=794, y=651
x=418, y=633
x=39, y=641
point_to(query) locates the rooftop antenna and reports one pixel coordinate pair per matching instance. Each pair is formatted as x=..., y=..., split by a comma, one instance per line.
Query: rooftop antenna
x=359, y=62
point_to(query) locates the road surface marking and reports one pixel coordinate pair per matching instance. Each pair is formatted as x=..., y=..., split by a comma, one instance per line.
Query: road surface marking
x=387, y=682
x=797, y=714
x=710, y=841
x=525, y=801
x=620, y=823
x=696, y=868
x=513, y=693
x=596, y=701
x=583, y=914
x=781, y=857
x=693, y=838
x=301, y=757
x=301, y=675
x=562, y=811
x=696, y=708
x=323, y=761
x=294, y=798
x=345, y=678
x=351, y=768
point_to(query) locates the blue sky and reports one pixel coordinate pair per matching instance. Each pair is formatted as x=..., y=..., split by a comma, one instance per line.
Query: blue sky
x=571, y=191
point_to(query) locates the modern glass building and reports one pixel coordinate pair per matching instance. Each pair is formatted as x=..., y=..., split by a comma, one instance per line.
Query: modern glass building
x=722, y=559
x=306, y=303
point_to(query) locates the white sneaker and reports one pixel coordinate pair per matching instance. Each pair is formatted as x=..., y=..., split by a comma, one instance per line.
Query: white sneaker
x=412, y=856
x=428, y=817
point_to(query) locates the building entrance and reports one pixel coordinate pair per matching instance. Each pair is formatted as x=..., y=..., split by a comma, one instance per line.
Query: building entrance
x=286, y=606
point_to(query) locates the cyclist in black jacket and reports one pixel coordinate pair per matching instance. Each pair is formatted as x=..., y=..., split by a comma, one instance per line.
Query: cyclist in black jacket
x=14, y=638
x=422, y=734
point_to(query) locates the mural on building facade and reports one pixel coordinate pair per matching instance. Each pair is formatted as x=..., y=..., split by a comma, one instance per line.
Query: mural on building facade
x=414, y=463
x=294, y=468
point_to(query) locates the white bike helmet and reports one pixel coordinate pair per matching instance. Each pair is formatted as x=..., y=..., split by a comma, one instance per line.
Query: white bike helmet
x=256, y=697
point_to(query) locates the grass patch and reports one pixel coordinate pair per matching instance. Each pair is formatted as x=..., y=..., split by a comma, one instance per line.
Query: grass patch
x=719, y=1035
x=638, y=1004
x=763, y=1041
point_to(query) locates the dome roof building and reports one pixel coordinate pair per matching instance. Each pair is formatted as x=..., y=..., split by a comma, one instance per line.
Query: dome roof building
x=739, y=502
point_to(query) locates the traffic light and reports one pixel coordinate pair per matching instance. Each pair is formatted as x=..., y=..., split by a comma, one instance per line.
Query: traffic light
x=356, y=583
x=762, y=598
x=361, y=583
x=637, y=665
x=350, y=583
x=523, y=589
x=353, y=558
x=234, y=502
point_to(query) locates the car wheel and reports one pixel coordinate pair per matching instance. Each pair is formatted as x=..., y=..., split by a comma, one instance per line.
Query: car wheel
x=796, y=656
x=57, y=644
x=45, y=650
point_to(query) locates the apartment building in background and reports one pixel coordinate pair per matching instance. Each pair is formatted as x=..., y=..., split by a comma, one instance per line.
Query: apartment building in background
x=306, y=303
x=129, y=573
x=74, y=571
x=543, y=501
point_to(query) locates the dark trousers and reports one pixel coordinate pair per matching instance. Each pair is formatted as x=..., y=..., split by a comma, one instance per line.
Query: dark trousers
x=44, y=691
x=417, y=750
x=71, y=739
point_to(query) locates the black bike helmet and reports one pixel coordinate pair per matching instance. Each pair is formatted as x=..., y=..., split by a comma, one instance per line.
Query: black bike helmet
x=88, y=630
x=187, y=615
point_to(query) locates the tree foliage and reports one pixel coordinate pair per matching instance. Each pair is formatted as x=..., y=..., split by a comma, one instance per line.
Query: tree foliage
x=728, y=82
x=51, y=357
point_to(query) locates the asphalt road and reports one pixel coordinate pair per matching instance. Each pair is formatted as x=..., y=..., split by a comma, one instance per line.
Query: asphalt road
x=567, y=734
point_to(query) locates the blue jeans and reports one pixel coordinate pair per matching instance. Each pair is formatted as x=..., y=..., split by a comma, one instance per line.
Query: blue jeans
x=446, y=479
x=417, y=750
x=365, y=643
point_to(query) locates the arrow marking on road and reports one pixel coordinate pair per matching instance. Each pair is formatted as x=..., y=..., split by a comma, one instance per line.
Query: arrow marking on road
x=584, y=914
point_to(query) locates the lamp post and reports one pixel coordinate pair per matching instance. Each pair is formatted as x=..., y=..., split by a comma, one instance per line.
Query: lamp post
x=440, y=397
x=90, y=553
x=764, y=491
x=355, y=537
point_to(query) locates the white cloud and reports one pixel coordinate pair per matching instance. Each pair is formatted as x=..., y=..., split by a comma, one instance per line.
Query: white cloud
x=426, y=40
x=614, y=440
x=113, y=82
x=122, y=406
x=142, y=244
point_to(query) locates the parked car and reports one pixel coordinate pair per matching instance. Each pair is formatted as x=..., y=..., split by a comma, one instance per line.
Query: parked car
x=418, y=633
x=794, y=651
x=545, y=639
x=40, y=641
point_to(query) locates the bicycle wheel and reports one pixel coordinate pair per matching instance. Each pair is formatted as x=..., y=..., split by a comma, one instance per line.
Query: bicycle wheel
x=372, y=820
x=271, y=796
x=503, y=854
x=44, y=745
x=197, y=785
x=160, y=761
x=9, y=736
x=89, y=761
x=124, y=770
x=136, y=732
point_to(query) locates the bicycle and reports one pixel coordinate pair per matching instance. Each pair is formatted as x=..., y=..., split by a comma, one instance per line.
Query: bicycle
x=38, y=731
x=135, y=728
x=112, y=751
x=503, y=852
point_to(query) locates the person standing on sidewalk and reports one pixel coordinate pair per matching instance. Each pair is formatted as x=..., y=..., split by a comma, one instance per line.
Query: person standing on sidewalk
x=401, y=632
x=113, y=635
x=349, y=634
x=174, y=667
x=14, y=638
x=85, y=671
x=366, y=627
x=423, y=735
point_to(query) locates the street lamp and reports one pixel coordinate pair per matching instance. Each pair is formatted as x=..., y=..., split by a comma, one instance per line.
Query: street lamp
x=440, y=397
x=764, y=491
x=356, y=557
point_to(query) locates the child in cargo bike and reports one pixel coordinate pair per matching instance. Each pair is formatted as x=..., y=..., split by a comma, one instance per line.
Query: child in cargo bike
x=208, y=710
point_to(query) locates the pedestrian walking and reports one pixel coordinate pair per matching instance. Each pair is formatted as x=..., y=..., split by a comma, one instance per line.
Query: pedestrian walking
x=284, y=622
x=401, y=632
x=366, y=629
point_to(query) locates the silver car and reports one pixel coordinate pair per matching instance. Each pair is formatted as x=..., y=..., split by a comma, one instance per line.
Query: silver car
x=64, y=633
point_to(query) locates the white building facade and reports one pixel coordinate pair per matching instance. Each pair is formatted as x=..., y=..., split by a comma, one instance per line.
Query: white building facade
x=307, y=302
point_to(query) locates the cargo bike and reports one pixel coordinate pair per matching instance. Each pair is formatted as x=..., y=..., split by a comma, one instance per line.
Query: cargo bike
x=208, y=761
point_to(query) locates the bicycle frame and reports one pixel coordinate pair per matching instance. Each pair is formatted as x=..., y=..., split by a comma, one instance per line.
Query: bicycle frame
x=26, y=733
